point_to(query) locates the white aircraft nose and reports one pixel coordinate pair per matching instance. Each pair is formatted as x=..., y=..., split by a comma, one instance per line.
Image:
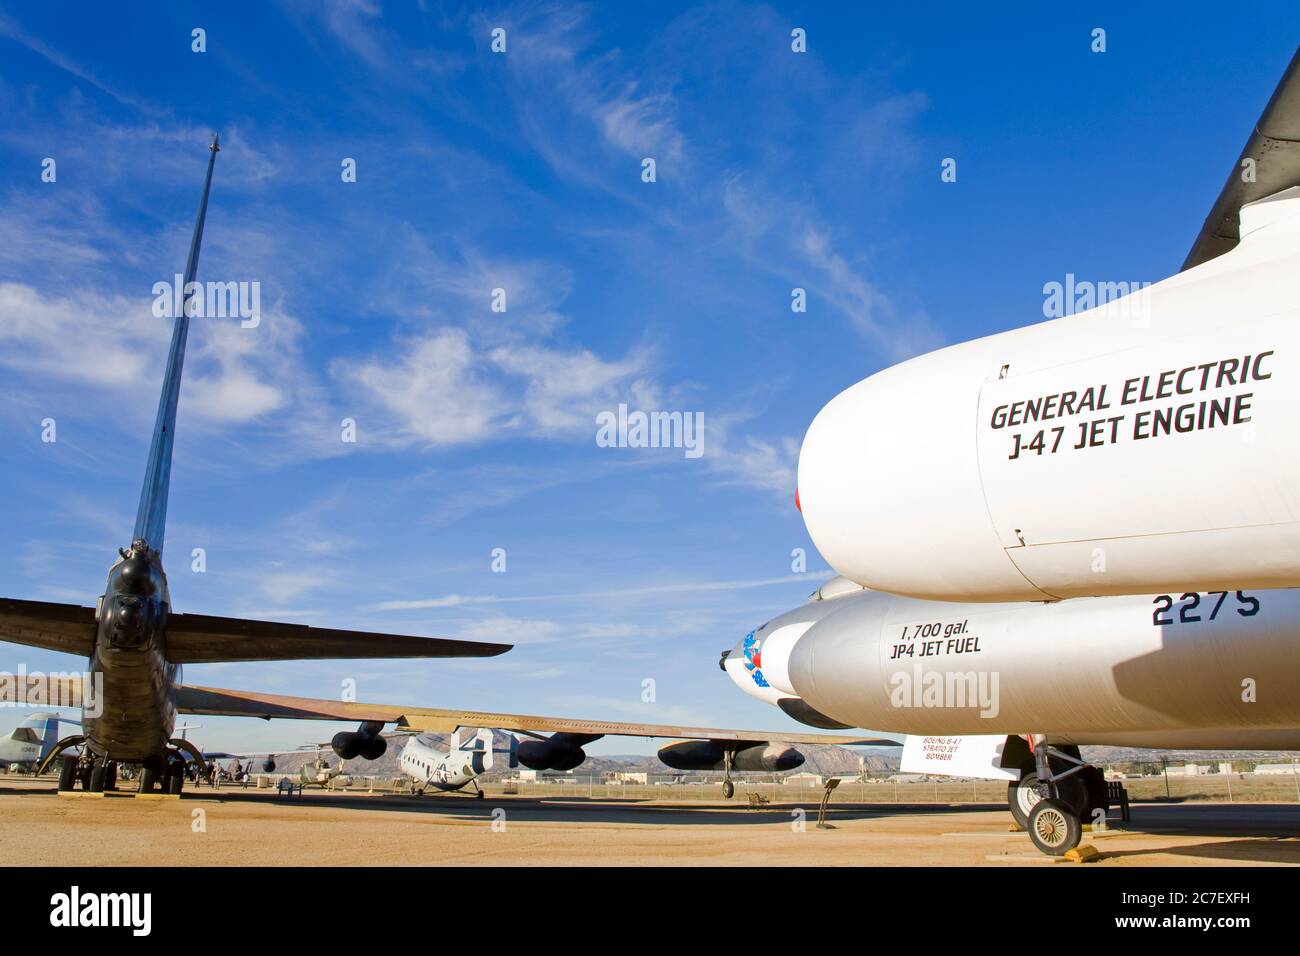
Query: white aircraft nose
x=758, y=664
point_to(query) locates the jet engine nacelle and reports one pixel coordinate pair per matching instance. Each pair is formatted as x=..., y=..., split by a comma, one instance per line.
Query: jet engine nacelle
x=366, y=743
x=1144, y=446
x=710, y=755
x=268, y=765
x=557, y=752
x=1182, y=670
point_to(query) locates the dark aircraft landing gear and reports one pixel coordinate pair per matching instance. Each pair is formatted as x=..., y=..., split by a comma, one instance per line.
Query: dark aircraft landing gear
x=728, y=788
x=153, y=772
x=67, y=773
x=95, y=774
x=167, y=772
x=173, y=777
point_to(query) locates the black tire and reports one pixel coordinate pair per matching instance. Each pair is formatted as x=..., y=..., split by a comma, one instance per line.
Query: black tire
x=728, y=789
x=1022, y=795
x=1054, y=827
x=96, y=782
x=148, y=777
x=67, y=773
x=175, y=782
x=110, y=776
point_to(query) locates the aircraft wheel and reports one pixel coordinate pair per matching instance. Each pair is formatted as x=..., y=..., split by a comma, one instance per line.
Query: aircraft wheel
x=67, y=773
x=110, y=776
x=1022, y=796
x=1054, y=828
x=175, y=781
x=96, y=782
x=148, y=776
x=728, y=789
x=480, y=795
x=1074, y=791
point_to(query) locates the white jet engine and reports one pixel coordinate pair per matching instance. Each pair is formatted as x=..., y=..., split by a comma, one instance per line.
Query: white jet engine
x=1147, y=445
x=1187, y=670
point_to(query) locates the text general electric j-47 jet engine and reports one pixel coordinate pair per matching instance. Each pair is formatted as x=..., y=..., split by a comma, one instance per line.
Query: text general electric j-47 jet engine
x=1148, y=445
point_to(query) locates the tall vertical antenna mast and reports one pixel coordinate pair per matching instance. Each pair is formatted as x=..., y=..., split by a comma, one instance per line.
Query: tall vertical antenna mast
x=151, y=518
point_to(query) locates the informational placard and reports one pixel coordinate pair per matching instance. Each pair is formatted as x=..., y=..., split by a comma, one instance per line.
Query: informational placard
x=977, y=756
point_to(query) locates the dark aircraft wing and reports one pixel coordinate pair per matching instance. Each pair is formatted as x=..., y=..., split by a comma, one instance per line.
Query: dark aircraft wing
x=1274, y=148
x=201, y=639
x=55, y=627
x=234, y=703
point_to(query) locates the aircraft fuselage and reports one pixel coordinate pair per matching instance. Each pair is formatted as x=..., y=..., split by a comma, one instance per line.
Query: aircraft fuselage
x=136, y=681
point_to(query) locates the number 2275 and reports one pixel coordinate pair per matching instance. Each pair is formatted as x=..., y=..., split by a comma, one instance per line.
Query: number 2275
x=1189, y=611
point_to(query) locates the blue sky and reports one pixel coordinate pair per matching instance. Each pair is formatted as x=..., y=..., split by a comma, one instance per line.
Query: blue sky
x=476, y=170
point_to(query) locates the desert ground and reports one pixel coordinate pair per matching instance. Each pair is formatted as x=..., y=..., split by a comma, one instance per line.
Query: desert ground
x=237, y=827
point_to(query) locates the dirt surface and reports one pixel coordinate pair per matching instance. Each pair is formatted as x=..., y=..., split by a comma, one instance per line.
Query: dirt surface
x=232, y=827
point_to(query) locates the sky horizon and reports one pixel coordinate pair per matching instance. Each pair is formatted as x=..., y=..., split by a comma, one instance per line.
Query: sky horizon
x=457, y=251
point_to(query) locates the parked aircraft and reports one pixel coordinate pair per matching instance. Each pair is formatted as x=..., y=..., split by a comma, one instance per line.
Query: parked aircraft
x=32, y=740
x=1138, y=458
x=313, y=773
x=466, y=759
x=136, y=644
x=555, y=743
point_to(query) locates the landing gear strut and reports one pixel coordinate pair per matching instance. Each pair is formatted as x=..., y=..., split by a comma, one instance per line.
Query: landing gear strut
x=728, y=788
x=1054, y=819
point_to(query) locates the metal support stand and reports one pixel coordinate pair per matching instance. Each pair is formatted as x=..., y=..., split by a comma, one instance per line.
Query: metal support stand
x=831, y=784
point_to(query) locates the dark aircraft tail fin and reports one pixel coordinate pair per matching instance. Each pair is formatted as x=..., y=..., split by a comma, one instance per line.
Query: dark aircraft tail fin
x=201, y=639
x=151, y=518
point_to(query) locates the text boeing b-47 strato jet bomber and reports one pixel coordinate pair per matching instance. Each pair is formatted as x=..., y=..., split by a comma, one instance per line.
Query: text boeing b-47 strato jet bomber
x=136, y=646
x=929, y=480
